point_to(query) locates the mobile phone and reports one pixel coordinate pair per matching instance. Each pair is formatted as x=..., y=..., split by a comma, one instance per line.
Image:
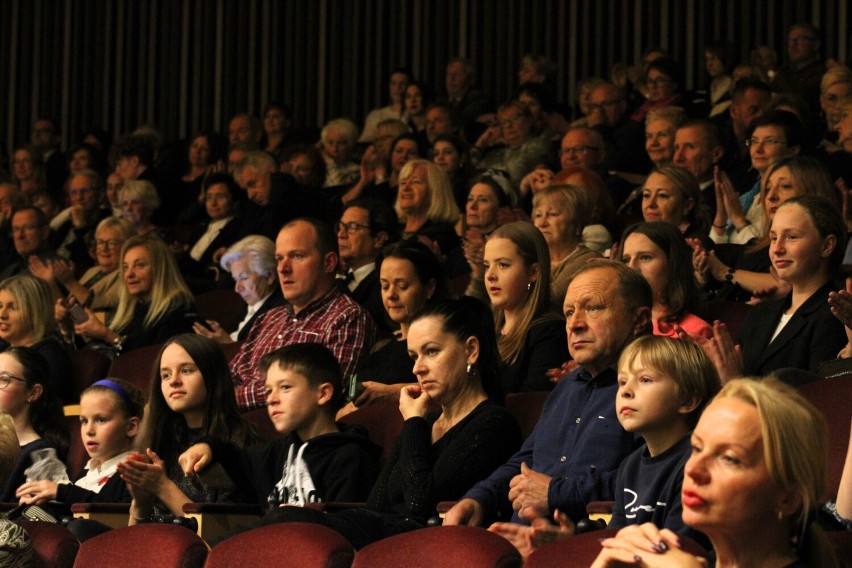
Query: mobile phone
x=76, y=311
x=355, y=389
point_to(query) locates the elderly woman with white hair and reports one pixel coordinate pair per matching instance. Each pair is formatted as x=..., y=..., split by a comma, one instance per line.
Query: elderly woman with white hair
x=251, y=262
x=338, y=144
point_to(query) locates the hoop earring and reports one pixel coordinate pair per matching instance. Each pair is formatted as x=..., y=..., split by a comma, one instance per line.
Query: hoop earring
x=529, y=286
x=470, y=371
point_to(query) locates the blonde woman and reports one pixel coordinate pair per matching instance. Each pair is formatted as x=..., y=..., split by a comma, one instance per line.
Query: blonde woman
x=154, y=302
x=428, y=211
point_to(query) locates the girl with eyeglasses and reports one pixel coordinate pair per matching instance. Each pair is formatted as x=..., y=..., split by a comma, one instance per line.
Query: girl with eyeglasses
x=28, y=396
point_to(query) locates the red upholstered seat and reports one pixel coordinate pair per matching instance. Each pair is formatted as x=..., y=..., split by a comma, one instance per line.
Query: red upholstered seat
x=136, y=366
x=88, y=366
x=440, y=547
x=833, y=397
x=290, y=545
x=143, y=546
x=383, y=422
x=53, y=545
x=224, y=306
x=77, y=457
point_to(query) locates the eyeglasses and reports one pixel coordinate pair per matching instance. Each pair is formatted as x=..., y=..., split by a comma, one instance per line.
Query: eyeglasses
x=351, y=227
x=581, y=150
x=753, y=142
x=6, y=379
x=108, y=244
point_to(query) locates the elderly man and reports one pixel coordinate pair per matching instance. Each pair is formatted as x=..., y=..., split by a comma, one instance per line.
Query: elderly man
x=698, y=148
x=274, y=198
x=316, y=310
x=572, y=456
x=622, y=136
x=31, y=236
x=366, y=226
x=440, y=119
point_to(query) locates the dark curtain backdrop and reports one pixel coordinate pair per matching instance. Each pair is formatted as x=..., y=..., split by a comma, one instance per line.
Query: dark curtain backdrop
x=188, y=65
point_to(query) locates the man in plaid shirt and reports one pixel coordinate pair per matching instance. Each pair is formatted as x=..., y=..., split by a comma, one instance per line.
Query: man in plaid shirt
x=316, y=310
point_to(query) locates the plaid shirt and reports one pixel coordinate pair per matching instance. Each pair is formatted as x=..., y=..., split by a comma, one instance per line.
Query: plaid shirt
x=334, y=320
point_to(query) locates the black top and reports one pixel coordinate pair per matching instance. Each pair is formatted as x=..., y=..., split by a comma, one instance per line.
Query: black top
x=177, y=320
x=420, y=474
x=16, y=476
x=61, y=375
x=545, y=347
x=812, y=335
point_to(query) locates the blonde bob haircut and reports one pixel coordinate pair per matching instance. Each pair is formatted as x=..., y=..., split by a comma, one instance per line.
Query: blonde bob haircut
x=795, y=439
x=168, y=289
x=571, y=199
x=35, y=302
x=532, y=248
x=442, y=205
x=684, y=362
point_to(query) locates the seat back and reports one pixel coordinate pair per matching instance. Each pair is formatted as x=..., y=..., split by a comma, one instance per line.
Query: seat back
x=291, y=545
x=440, y=547
x=526, y=408
x=136, y=367
x=53, y=545
x=222, y=305
x=729, y=312
x=77, y=457
x=88, y=366
x=259, y=417
x=143, y=546
x=833, y=397
x=383, y=422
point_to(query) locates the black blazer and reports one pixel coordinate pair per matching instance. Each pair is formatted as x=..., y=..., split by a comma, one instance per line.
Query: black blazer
x=229, y=234
x=273, y=301
x=368, y=294
x=811, y=336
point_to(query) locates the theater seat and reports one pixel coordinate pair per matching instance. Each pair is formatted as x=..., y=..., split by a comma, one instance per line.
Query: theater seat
x=729, y=312
x=383, y=422
x=291, y=545
x=526, y=407
x=143, y=546
x=833, y=398
x=441, y=547
x=53, y=545
x=223, y=305
x=88, y=366
x=77, y=457
x=136, y=366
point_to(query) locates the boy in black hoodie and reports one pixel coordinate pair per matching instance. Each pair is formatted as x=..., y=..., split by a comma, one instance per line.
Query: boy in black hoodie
x=318, y=459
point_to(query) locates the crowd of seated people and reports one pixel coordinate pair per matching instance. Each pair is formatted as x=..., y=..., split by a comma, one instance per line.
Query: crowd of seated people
x=456, y=249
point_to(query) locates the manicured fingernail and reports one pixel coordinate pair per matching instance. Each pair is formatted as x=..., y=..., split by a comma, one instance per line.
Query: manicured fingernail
x=663, y=546
x=637, y=558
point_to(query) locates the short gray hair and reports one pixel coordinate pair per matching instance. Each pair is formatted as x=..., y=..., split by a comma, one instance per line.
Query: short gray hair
x=258, y=250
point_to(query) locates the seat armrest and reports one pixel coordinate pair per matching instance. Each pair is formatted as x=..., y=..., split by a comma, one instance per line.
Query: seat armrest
x=332, y=506
x=115, y=515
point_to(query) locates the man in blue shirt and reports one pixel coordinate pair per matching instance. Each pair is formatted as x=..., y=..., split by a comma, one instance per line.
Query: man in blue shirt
x=573, y=454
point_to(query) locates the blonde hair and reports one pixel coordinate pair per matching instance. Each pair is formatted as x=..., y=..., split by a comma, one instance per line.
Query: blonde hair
x=671, y=114
x=442, y=204
x=795, y=439
x=9, y=446
x=35, y=302
x=142, y=190
x=168, y=289
x=572, y=199
x=684, y=361
x=834, y=76
x=532, y=248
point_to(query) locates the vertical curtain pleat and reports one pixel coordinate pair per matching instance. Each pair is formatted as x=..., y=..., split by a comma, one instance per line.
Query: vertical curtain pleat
x=188, y=65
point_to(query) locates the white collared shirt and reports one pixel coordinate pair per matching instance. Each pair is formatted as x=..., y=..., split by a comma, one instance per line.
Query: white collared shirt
x=96, y=478
x=359, y=274
x=252, y=309
x=213, y=230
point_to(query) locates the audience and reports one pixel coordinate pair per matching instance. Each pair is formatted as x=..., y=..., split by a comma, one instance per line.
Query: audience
x=776, y=241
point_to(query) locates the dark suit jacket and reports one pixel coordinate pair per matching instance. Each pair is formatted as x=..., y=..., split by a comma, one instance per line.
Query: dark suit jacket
x=273, y=301
x=229, y=234
x=811, y=336
x=287, y=201
x=368, y=294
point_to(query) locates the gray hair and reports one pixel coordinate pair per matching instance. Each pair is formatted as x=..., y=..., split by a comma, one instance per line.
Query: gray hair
x=258, y=250
x=343, y=126
x=142, y=190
